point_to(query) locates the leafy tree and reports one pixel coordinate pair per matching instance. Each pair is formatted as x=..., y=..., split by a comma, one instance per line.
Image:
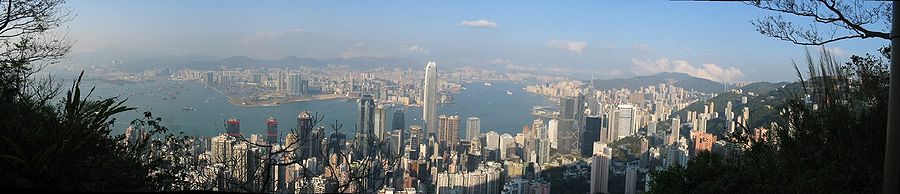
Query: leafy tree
x=68, y=145
x=826, y=140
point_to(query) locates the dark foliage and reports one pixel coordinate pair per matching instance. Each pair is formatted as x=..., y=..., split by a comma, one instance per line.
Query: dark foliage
x=829, y=139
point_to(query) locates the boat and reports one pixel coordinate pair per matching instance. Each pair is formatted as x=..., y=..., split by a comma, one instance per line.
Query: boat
x=188, y=108
x=508, y=92
x=487, y=83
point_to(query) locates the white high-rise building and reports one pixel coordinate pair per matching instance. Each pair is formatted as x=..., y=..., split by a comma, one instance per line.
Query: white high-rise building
x=624, y=121
x=473, y=128
x=492, y=139
x=552, y=130
x=506, y=141
x=429, y=107
x=381, y=131
x=600, y=173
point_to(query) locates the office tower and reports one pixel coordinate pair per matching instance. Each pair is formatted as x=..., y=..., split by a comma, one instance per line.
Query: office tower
x=365, y=125
x=568, y=138
x=676, y=130
x=415, y=138
x=631, y=179
x=380, y=130
x=294, y=85
x=600, y=173
x=233, y=127
x=591, y=134
x=473, y=128
x=397, y=142
x=552, y=132
x=429, y=107
x=651, y=128
x=304, y=130
x=399, y=120
x=624, y=121
x=272, y=130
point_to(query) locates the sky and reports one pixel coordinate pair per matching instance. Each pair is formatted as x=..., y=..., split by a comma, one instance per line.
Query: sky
x=601, y=39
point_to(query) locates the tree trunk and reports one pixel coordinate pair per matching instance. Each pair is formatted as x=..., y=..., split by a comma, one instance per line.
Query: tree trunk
x=891, y=182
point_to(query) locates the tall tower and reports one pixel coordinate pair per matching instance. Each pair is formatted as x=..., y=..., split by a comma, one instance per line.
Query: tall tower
x=272, y=130
x=381, y=130
x=429, y=108
x=304, y=131
x=473, y=128
x=365, y=125
x=399, y=120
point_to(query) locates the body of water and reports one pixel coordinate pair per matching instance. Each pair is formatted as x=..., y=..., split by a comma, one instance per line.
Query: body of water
x=497, y=110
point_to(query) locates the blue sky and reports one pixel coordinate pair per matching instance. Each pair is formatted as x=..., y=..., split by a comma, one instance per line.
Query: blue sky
x=605, y=39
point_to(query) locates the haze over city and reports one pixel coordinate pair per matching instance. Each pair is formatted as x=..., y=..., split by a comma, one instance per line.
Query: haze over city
x=713, y=40
x=461, y=97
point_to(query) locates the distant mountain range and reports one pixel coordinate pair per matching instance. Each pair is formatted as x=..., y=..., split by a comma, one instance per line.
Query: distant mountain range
x=139, y=60
x=677, y=79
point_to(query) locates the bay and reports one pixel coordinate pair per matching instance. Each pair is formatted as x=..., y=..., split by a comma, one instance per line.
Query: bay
x=497, y=110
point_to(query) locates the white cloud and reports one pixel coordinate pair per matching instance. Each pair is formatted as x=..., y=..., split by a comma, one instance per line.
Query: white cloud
x=708, y=71
x=268, y=35
x=482, y=23
x=417, y=49
x=571, y=46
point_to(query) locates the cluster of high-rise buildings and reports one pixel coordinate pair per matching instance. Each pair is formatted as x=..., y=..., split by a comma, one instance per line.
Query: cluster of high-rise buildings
x=437, y=155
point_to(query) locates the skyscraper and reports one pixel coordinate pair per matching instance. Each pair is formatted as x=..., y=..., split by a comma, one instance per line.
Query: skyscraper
x=448, y=133
x=624, y=121
x=429, y=107
x=304, y=128
x=568, y=140
x=591, y=134
x=399, y=120
x=380, y=123
x=294, y=85
x=631, y=179
x=365, y=124
x=600, y=173
x=552, y=131
x=272, y=130
x=676, y=130
x=473, y=128
x=233, y=127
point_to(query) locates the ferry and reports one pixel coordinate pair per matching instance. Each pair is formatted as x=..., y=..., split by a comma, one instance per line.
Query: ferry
x=508, y=92
x=487, y=83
